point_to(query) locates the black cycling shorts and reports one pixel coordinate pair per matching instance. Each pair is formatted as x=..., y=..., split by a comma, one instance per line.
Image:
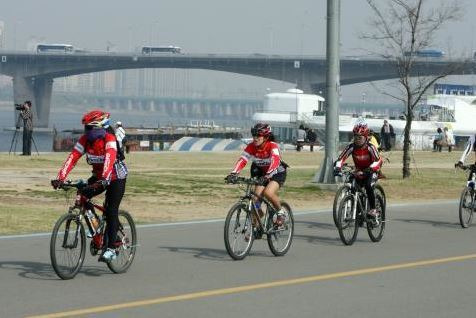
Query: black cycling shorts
x=279, y=177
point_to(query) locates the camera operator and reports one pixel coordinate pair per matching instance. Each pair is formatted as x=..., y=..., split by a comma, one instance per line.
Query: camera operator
x=27, y=116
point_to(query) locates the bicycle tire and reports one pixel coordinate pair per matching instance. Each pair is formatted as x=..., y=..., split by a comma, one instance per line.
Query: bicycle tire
x=347, y=227
x=377, y=236
x=341, y=192
x=126, y=251
x=274, y=236
x=379, y=189
x=234, y=232
x=465, y=212
x=73, y=266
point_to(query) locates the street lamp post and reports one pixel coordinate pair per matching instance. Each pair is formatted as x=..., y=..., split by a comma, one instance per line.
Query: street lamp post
x=325, y=174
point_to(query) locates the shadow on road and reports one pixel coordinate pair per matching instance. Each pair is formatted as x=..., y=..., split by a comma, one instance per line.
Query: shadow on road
x=44, y=271
x=431, y=222
x=198, y=252
x=332, y=239
x=207, y=253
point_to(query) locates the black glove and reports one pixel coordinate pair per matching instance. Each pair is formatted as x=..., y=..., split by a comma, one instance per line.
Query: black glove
x=95, y=188
x=263, y=180
x=337, y=172
x=459, y=164
x=231, y=178
x=56, y=184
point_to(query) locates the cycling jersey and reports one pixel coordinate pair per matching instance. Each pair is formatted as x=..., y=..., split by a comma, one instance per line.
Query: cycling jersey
x=266, y=157
x=364, y=157
x=101, y=154
x=470, y=145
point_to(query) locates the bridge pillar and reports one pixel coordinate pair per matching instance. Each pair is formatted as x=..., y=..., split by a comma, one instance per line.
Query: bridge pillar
x=38, y=91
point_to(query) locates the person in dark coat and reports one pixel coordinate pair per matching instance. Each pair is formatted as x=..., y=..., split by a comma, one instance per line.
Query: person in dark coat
x=387, y=134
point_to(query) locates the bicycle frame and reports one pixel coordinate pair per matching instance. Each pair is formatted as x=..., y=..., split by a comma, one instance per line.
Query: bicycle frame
x=248, y=203
x=360, y=199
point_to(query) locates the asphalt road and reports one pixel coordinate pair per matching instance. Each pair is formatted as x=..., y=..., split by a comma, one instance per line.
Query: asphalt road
x=423, y=267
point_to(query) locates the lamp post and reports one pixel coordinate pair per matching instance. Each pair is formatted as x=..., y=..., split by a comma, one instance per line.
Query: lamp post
x=325, y=174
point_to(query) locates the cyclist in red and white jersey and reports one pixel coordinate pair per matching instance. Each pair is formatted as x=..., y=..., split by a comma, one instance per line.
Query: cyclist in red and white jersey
x=366, y=159
x=109, y=173
x=266, y=164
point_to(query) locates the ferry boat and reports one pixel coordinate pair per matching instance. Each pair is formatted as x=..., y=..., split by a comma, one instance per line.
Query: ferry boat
x=452, y=106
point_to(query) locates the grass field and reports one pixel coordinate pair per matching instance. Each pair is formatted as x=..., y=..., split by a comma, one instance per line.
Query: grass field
x=183, y=186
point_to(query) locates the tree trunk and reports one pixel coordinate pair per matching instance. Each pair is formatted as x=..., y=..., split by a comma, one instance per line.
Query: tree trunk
x=406, y=145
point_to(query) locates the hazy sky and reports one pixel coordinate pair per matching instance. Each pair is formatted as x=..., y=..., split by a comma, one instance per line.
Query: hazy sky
x=206, y=26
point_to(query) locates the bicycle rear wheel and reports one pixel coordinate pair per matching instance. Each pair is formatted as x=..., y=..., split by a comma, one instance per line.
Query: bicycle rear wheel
x=466, y=204
x=280, y=238
x=238, y=232
x=340, y=194
x=126, y=244
x=67, y=246
x=346, y=223
x=376, y=229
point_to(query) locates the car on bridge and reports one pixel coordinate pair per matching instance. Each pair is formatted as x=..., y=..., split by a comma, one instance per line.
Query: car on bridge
x=149, y=50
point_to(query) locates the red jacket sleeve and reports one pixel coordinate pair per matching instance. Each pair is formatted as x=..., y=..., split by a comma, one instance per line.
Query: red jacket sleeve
x=72, y=159
x=377, y=161
x=243, y=160
x=275, y=159
x=344, y=155
x=110, y=156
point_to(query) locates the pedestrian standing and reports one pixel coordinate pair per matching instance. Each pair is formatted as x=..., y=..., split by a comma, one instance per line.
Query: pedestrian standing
x=387, y=134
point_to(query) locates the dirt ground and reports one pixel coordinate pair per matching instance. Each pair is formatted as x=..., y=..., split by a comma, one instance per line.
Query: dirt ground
x=165, y=187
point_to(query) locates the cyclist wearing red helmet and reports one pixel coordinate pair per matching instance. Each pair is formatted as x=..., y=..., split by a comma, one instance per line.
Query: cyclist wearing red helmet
x=266, y=164
x=366, y=159
x=109, y=172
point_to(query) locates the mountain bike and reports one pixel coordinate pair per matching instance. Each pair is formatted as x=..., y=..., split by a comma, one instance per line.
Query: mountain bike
x=353, y=213
x=467, y=200
x=345, y=189
x=68, y=239
x=244, y=224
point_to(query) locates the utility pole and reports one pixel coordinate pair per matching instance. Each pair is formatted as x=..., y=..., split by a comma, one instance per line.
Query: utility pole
x=325, y=174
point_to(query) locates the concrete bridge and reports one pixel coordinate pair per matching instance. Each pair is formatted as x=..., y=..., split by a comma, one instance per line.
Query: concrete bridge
x=33, y=73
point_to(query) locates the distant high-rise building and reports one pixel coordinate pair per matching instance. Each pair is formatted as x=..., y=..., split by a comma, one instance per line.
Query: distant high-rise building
x=2, y=35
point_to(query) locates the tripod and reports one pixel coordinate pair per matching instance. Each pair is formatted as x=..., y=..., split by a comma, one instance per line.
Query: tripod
x=15, y=137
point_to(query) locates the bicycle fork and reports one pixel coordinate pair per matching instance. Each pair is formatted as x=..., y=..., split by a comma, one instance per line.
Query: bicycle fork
x=74, y=244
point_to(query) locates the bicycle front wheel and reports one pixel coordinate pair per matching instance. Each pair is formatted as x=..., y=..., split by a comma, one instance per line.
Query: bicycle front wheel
x=346, y=223
x=281, y=237
x=378, y=189
x=67, y=246
x=126, y=244
x=376, y=228
x=238, y=232
x=340, y=194
x=466, y=204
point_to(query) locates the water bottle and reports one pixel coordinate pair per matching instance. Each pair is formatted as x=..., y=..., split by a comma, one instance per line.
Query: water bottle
x=93, y=221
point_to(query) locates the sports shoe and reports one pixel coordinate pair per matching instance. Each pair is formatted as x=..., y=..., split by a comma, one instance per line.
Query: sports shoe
x=373, y=213
x=280, y=217
x=108, y=256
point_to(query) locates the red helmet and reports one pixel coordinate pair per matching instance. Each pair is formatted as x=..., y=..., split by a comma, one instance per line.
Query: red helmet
x=261, y=129
x=96, y=118
x=361, y=129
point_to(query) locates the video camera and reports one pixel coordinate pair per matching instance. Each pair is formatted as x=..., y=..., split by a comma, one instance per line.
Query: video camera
x=19, y=106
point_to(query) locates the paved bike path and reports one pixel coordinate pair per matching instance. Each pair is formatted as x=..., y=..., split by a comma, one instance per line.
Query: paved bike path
x=181, y=260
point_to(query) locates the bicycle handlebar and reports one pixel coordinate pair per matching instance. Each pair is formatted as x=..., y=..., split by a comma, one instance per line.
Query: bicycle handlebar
x=238, y=180
x=78, y=184
x=470, y=167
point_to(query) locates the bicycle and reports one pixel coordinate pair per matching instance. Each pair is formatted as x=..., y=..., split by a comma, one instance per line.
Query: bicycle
x=345, y=189
x=467, y=199
x=353, y=213
x=243, y=223
x=68, y=239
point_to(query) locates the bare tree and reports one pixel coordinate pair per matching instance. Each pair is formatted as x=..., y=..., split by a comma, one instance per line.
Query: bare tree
x=402, y=29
